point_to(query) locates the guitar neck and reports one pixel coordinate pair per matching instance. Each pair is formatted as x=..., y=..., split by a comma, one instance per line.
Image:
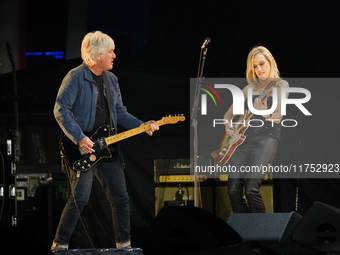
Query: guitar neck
x=132, y=132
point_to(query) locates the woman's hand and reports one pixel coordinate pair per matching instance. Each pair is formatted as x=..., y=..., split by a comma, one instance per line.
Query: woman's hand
x=230, y=130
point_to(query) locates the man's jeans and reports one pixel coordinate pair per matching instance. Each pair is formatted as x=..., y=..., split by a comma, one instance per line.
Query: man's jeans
x=111, y=176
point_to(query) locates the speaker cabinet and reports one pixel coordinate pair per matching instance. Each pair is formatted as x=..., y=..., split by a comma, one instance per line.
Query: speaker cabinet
x=276, y=227
x=320, y=228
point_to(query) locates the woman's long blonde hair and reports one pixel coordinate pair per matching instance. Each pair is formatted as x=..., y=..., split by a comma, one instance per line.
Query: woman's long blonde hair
x=250, y=73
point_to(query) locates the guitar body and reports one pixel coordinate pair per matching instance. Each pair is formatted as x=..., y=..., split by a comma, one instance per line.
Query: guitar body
x=77, y=159
x=229, y=144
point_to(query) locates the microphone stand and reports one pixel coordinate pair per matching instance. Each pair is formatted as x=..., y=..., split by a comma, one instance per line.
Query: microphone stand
x=194, y=121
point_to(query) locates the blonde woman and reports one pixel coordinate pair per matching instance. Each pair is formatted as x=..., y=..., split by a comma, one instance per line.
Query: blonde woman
x=262, y=137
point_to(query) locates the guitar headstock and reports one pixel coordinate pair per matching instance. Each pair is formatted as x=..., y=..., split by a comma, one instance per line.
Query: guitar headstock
x=172, y=119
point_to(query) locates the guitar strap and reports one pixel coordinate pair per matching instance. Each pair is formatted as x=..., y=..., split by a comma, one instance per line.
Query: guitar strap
x=108, y=97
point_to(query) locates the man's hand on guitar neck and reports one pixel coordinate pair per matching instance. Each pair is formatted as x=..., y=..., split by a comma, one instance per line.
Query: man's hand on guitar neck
x=86, y=145
x=153, y=127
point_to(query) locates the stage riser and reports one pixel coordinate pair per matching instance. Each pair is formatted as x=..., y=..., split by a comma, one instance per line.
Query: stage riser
x=134, y=251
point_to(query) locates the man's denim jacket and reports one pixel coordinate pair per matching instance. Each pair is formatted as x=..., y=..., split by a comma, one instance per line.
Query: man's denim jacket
x=75, y=107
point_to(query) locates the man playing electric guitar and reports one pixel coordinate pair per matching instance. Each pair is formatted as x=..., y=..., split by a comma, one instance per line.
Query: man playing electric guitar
x=89, y=96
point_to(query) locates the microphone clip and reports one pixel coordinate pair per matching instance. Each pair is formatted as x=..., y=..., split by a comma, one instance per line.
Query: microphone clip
x=206, y=42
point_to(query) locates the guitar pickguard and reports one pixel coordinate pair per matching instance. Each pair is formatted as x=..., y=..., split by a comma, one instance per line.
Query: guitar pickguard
x=78, y=160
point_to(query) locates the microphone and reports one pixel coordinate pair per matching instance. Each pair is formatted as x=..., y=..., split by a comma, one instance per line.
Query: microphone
x=206, y=42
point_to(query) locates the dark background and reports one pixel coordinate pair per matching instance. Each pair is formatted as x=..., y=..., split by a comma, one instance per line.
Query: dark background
x=157, y=47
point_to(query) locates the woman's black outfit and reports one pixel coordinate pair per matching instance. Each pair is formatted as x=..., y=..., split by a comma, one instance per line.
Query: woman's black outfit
x=258, y=148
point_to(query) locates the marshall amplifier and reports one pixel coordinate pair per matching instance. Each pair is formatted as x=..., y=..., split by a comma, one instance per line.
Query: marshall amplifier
x=182, y=195
x=174, y=181
x=174, y=186
x=179, y=170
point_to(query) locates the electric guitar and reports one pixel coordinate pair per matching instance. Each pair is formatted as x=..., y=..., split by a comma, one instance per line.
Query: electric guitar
x=229, y=144
x=79, y=161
